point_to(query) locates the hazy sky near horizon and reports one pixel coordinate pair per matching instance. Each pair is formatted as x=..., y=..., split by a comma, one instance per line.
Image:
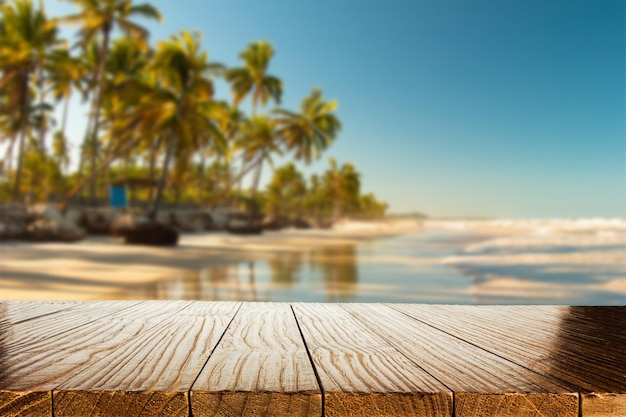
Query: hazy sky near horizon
x=506, y=108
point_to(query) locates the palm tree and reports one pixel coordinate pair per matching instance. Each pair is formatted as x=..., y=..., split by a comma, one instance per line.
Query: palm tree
x=311, y=131
x=253, y=77
x=344, y=185
x=180, y=103
x=127, y=60
x=98, y=18
x=26, y=36
x=66, y=74
x=259, y=141
x=286, y=192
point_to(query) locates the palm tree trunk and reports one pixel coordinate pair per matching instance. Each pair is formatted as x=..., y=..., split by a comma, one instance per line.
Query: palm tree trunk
x=157, y=200
x=105, y=164
x=255, y=186
x=98, y=103
x=66, y=106
x=152, y=172
x=18, y=174
x=8, y=155
x=220, y=194
x=85, y=144
x=23, y=124
x=201, y=177
x=239, y=183
x=42, y=128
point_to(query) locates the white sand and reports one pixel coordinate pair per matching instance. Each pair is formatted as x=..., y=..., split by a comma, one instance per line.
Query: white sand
x=99, y=266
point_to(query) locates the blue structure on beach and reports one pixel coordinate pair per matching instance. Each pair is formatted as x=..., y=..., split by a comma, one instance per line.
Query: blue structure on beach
x=117, y=196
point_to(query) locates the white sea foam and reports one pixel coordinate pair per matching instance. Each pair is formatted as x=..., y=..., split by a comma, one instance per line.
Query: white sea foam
x=572, y=261
x=560, y=236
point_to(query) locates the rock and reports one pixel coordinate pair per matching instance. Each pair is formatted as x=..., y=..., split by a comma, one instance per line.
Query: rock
x=301, y=224
x=209, y=223
x=151, y=233
x=54, y=230
x=75, y=216
x=47, y=212
x=12, y=230
x=124, y=222
x=97, y=221
x=15, y=212
x=219, y=218
x=274, y=223
x=243, y=227
x=165, y=217
x=192, y=221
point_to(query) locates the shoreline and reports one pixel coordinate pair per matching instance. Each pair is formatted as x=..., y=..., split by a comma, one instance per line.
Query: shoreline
x=98, y=266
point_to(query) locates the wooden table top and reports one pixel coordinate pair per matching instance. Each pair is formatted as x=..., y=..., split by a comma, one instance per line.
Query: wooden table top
x=183, y=358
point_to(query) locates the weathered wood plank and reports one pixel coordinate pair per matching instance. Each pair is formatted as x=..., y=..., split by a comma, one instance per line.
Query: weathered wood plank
x=20, y=311
x=477, y=377
x=142, y=358
x=513, y=404
x=150, y=373
x=36, y=347
x=260, y=368
x=363, y=375
x=28, y=332
x=603, y=405
x=25, y=404
x=579, y=345
x=33, y=363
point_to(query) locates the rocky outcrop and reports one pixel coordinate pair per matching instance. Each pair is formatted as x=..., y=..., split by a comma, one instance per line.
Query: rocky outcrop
x=41, y=222
x=97, y=221
x=45, y=230
x=120, y=224
x=189, y=221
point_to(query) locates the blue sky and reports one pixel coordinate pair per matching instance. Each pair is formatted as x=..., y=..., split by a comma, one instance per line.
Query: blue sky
x=506, y=108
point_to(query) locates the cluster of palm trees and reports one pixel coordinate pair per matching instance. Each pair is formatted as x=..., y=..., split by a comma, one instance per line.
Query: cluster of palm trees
x=334, y=194
x=152, y=112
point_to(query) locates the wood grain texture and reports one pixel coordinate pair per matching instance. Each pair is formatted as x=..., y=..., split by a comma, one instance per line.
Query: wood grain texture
x=35, y=344
x=120, y=403
x=25, y=404
x=362, y=374
x=151, y=372
x=603, y=405
x=259, y=368
x=236, y=404
x=578, y=345
x=72, y=343
x=515, y=404
x=19, y=311
x=159, y=358
x=461, y=366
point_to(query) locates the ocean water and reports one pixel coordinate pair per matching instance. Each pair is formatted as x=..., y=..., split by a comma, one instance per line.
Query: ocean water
x=558, y=262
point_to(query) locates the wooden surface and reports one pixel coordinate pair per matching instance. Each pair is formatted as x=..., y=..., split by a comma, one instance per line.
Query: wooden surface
x=361, y=373
x=177, y=358
x=260, y=368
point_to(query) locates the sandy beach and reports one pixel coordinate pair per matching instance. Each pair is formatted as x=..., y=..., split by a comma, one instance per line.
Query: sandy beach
x=499, y=261
x=98, y=266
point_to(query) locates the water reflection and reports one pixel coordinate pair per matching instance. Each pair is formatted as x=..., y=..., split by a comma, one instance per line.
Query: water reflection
x=284, y=277
x=339, y=267
x=402, y=269
x=285, y=268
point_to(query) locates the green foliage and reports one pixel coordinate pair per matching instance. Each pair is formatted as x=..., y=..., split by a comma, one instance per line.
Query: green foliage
x=153, y=116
